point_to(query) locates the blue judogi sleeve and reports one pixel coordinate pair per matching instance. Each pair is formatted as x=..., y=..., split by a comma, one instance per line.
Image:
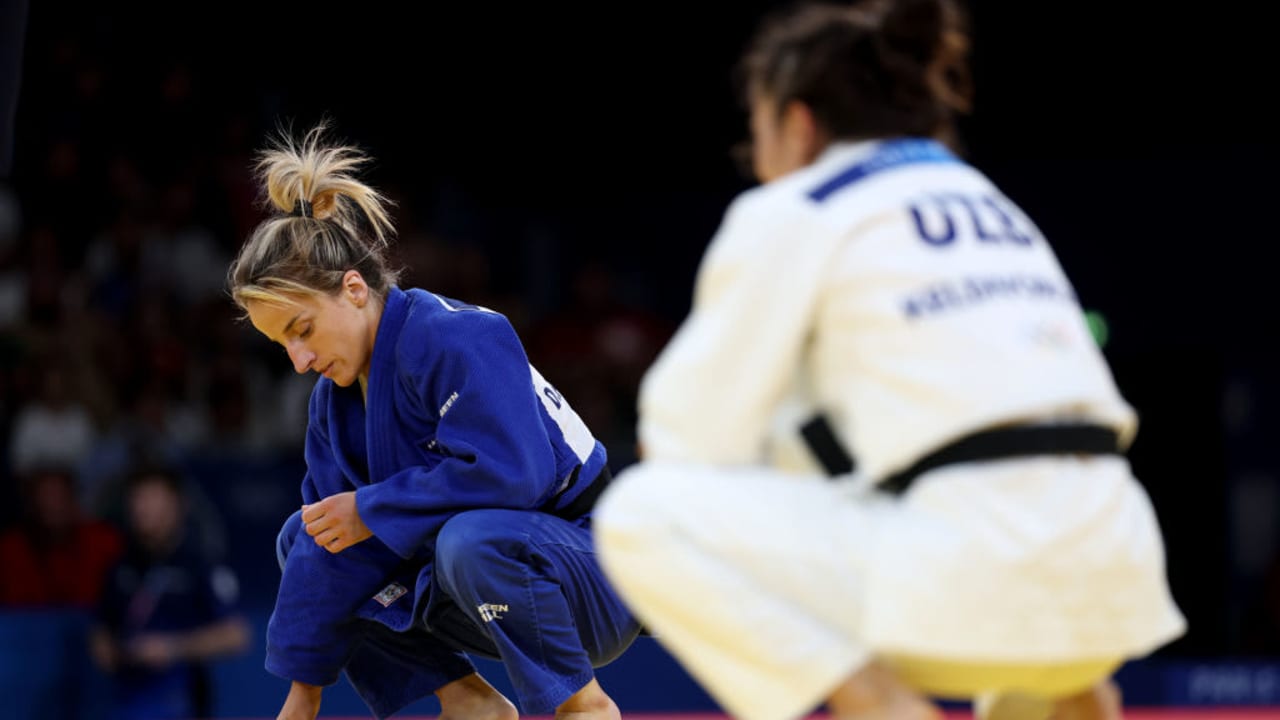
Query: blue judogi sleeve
x=313, y=629
x=472, y=370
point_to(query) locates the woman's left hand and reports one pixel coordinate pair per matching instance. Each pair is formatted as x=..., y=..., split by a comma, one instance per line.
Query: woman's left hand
x=335, y=523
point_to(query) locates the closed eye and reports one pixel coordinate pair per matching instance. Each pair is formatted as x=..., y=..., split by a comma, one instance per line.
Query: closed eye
x=306, y=332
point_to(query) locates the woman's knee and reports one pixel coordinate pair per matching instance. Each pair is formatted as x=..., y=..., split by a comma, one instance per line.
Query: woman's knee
x=470, y=539
x=288, y=534
x=639, y=500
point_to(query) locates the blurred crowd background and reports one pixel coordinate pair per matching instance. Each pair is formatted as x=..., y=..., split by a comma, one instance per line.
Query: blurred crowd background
x=567, y=169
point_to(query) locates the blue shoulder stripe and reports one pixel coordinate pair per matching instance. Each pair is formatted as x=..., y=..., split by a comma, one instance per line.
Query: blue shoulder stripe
x=890, y=154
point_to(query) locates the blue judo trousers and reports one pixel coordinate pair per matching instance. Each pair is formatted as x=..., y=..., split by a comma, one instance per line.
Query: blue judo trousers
x=518, y=586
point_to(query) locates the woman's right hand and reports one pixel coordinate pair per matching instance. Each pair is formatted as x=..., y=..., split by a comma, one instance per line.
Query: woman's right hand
x=303, y=702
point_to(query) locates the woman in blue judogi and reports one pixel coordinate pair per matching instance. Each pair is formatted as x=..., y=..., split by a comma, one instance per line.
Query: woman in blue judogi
x=449, y=486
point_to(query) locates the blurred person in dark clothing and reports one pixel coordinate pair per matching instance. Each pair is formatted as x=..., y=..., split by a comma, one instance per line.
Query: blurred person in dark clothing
x=165, y=610
x=52, y=565
x=56, y=556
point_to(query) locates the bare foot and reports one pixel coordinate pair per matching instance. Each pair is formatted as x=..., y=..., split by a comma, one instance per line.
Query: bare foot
x=874, y=693
x=589, y=703
x=473, y=698
x=1100, y=702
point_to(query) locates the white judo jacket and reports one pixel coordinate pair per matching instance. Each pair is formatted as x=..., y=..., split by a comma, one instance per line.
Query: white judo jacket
x=894, y=289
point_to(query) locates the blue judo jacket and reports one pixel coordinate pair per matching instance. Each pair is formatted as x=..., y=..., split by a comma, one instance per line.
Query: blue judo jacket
x=456, y=418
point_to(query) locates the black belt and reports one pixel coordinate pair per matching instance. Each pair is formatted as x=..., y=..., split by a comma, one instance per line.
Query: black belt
x=586, y=499
x=994, y=444
x=1010, y=442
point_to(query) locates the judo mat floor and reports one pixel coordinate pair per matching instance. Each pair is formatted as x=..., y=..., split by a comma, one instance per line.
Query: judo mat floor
x=1136, y=713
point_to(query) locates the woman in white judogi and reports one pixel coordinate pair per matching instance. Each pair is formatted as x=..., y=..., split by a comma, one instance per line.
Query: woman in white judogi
x=878, y=287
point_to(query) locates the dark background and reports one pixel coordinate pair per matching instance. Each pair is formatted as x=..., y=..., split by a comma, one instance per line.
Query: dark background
x=568, y=166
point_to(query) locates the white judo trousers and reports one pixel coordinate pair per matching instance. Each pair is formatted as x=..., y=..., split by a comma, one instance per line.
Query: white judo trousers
x=771, y=588
x=896, y=291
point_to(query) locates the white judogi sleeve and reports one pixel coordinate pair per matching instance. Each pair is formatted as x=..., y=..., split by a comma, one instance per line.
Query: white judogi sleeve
x=712, y=392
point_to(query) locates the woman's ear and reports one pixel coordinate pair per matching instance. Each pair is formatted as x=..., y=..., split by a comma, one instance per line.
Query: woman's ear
x=804, y=136
x=355, y=288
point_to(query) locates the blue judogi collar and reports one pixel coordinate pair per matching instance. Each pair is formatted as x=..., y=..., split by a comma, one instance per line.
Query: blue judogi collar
x=887, y=155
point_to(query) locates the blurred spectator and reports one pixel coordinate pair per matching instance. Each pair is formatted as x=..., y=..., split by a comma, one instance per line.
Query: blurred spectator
x=119, y=262
x=140, y=441
x=53, y=563
x=166, y=610
x=193, y=261
x=243, y=394
x=56, y=556
x=54, y=428
x=154, y=427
